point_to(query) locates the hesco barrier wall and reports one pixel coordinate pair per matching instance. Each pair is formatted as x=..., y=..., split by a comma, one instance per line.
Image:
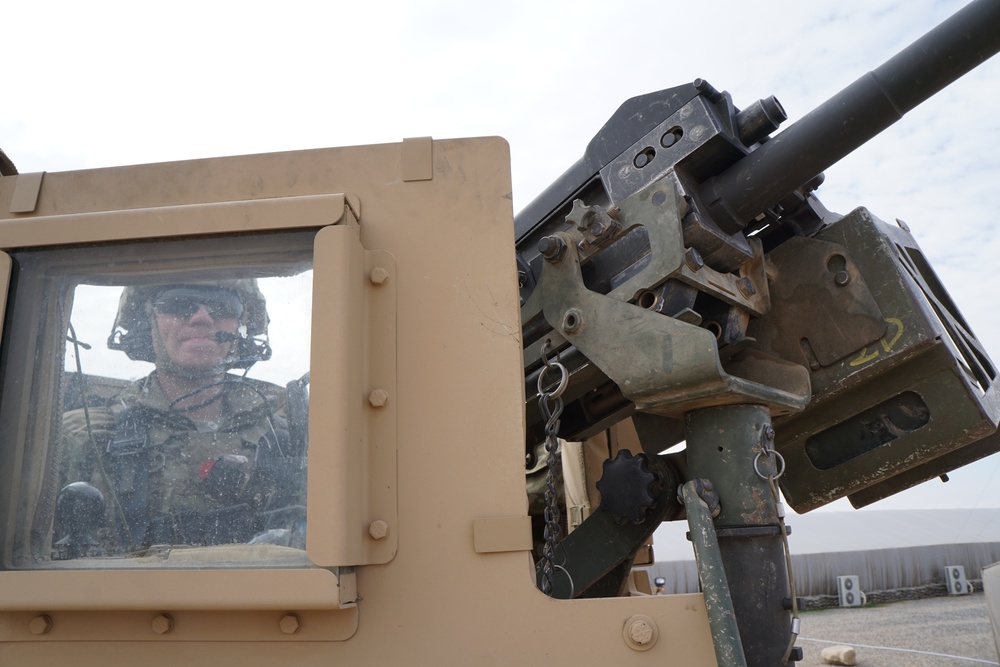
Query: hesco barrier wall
x=877, y=569
x=888, y=550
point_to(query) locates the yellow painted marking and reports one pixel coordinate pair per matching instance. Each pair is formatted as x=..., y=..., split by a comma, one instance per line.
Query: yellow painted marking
x=887, y=346
x=865, y=356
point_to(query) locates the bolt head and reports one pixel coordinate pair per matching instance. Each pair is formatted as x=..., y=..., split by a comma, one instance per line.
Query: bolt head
x=842, y=278
x=290, y=623
x=163, y=624
x=378, y=275
x=552, y=248
x=378, y=398
x=40, y=624
x=378, y=529
x=693, y=259
x=640, y=632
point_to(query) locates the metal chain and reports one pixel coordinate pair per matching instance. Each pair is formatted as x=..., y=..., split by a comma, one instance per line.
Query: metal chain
x=550, y=404
x=773, y=475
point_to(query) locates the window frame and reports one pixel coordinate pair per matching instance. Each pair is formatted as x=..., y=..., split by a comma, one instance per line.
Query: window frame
x=354, y=315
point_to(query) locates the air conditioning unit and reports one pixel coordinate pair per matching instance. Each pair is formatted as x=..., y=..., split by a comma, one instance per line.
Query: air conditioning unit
x=849, y=590
x=954, y=578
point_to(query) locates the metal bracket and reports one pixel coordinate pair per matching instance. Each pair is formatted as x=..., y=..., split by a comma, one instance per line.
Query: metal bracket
x=501, y=534
x=594, y=560
x=352, y=424
x=660, y=363
x=26, y=189
x=418, y=159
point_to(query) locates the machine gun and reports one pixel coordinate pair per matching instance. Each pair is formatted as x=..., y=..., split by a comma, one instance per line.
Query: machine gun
x=685, y=275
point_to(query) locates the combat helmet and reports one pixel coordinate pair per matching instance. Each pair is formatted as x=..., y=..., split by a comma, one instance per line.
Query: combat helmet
x=132, y=332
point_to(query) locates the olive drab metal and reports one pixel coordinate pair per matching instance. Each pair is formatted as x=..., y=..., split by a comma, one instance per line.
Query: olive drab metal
x=410, y=446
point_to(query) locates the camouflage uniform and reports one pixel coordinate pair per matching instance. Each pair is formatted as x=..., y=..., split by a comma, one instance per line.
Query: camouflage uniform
x=173, y=481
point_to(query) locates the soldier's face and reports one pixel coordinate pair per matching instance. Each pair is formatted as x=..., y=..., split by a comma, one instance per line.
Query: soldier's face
x=190, y=340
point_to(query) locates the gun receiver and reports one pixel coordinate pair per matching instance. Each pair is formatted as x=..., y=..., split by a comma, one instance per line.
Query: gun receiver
x=669, y=268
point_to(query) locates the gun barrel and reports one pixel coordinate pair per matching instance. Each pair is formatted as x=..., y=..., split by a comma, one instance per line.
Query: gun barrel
x=853, y=116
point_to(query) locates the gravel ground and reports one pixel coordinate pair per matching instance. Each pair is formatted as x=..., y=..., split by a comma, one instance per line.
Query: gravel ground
x=944, y=632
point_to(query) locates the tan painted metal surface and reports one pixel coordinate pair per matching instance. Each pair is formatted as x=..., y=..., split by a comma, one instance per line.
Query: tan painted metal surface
x=416, y=482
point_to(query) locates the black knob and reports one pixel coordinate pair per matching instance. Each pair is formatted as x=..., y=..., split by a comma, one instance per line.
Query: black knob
x=627, y=487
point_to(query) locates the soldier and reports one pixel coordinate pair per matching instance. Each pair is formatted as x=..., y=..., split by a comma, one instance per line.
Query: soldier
x=191, y=454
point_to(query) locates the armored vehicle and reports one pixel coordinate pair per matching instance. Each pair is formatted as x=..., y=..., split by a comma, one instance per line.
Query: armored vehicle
x=340, y=406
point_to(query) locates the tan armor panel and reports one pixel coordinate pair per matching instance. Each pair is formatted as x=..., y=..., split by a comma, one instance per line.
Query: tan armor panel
x=418, y=525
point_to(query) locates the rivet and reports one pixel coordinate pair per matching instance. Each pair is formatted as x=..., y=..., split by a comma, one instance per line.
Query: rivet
x=378, y=398
x=163, y=623
x=378, y=529
x=572, y=321
x=40, y=624
x=290, y=623
x=378, y=275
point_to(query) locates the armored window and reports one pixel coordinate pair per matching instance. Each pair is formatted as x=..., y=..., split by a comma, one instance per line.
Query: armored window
x=153, y=403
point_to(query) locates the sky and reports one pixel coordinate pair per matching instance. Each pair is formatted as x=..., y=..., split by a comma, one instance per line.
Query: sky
x=101, y=84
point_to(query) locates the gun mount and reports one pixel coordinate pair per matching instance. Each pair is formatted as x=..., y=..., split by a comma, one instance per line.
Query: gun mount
x=688, y=278
x=681, y=206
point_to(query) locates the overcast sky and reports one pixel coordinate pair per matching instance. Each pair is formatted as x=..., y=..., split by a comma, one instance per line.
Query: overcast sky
x=100, y=84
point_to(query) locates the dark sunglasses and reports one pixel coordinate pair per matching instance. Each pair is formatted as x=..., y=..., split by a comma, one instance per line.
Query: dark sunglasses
x=185, y=307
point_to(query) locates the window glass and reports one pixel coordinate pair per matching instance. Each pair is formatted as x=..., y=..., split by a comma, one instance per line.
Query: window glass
x=154, y=403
